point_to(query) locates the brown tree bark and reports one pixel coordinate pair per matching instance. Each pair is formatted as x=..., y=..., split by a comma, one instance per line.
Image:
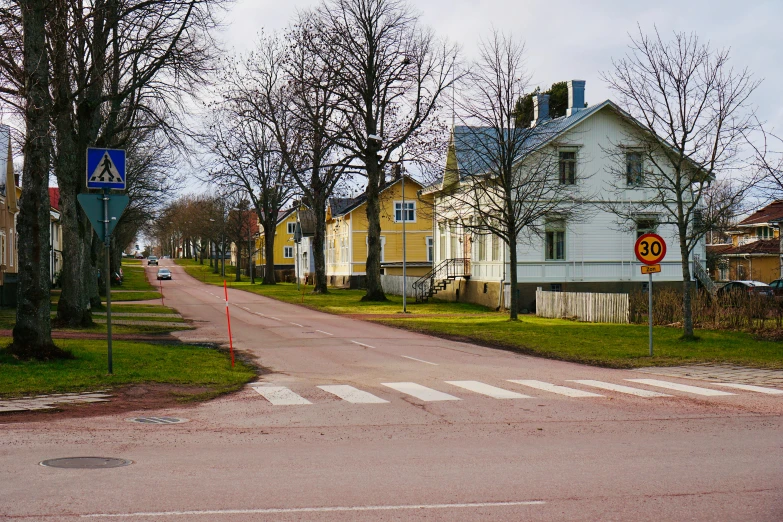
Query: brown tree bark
x=32, y=334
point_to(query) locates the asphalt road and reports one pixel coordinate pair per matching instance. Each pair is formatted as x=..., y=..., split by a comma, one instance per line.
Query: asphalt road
x=358, y=421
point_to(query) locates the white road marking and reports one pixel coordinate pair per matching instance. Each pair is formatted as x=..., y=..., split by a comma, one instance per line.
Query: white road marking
x=622, y=389
x=749, y=387
x=362, y=344
x=486, y=389
x=325, y=509
x=275, y=318
x=696, y=390
x=351, y=394
x=296, y=324
x=420, y=360
x=327, y=333
x=420, y=392
x=553, y=388
x=280, y=395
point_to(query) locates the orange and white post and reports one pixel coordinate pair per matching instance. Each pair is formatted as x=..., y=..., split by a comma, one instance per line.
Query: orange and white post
x=228, y=319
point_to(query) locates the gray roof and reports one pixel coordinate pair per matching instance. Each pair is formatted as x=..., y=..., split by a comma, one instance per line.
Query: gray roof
x=340, y=206
x=469, y=142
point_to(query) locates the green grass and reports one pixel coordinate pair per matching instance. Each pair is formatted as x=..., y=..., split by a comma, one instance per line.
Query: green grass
x=135, y=278
x=119, y=295
x=133, y=363
x=139, y=309
x=611, y=345
x=337, y=301
x=129, y=261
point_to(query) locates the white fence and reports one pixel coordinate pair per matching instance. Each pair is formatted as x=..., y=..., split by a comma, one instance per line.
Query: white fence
x=583, y=306
x=393, y=284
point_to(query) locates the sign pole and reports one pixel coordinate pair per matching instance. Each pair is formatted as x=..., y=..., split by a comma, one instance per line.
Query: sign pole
x=650, y=310
x=107, y=273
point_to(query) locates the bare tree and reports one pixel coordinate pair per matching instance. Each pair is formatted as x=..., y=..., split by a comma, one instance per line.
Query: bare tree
x=243, y=155
x=32, y=334
x=390, y=75
x=696, y=113
x=506, y=181
x=288, y=88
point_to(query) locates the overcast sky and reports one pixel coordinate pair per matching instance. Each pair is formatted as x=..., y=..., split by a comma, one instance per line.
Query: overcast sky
x=572, y=39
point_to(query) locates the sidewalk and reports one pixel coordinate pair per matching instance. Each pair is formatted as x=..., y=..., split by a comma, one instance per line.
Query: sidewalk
x=721, y=373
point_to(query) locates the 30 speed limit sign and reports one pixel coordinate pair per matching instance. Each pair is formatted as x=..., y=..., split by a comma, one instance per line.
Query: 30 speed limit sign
x=650, y=249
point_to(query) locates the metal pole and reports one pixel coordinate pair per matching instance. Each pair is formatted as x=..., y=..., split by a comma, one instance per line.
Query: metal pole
x=650, y=310
x=250, y=257
x=404, y=219
x=107, y=266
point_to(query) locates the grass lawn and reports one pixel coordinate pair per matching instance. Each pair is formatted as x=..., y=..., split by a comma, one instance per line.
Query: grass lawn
x=337, y=301
x=129, y=261
x=119, y=295
x=612, y=345
x=134, y=362
x=135, y=278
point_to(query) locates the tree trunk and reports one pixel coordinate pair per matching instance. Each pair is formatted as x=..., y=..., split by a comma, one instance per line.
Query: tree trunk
x=319, y=237
x=512, y=274
x=269, y=259
x=238, y=267
x=32, y=335
x=373, y=265
x=687, y=311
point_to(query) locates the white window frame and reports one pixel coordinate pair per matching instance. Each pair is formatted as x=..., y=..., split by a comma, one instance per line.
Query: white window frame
x=288, y=252
x=430, y=244
x=555, y=226
x=411, y=208
x=291, y=228
x=561, y=150
x=634, y=182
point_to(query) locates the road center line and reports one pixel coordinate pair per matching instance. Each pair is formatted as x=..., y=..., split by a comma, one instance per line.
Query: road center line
x=327, y=333
x=421, y=361
x=325, y=509
x=297, y=324
x=362, y=344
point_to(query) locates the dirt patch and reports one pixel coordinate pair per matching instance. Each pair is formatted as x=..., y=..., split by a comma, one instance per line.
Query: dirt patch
x=133, y=397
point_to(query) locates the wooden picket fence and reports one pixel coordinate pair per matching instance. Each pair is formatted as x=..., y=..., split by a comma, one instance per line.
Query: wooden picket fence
x=583, y=306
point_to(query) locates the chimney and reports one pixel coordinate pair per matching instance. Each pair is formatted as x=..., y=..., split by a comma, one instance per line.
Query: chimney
x=540, y=109
x=576, y=96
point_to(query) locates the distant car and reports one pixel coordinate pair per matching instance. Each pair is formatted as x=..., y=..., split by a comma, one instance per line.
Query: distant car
x=746, y=288
x=139, y=256
x=152, y=260
x=164, y=273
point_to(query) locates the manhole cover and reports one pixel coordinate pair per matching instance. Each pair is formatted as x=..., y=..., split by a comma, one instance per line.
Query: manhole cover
x=86, y=463
x=157, y=420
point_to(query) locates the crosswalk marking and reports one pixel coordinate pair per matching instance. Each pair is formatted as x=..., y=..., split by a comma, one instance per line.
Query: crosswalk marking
x=280, y=395
x=420, y=392
x=351, y=394
x=696, y=390
x=749, y=387
x=620, y=388
x=553, y=388
x=486, y=389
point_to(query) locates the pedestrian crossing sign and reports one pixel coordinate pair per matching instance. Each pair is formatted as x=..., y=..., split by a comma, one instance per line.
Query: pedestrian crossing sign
x=106, y=168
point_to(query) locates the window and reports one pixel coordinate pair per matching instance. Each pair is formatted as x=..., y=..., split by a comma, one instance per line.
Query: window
x=567, y=167
x=555, y=241
x=291, y=227
x=495, y=248
x=383, y=247
x=556, y=287
x=429, y=249
x=646, y=225
x=410, y=211
x=344, y=250
x=442, y=236
x=2, y=249
x=288, y=252
x=634, y=167
x=482, y=247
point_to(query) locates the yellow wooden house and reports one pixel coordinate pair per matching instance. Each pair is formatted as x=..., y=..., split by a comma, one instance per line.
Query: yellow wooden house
x=346, y=234
x=284, y=255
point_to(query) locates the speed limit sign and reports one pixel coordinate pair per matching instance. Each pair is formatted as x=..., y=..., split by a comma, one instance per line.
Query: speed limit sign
x=650, y=249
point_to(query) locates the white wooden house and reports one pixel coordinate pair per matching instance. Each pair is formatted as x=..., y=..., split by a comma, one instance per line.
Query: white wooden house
x=588, y=255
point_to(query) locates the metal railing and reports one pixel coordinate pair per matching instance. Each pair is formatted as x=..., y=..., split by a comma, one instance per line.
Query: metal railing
x=702, y=275
x=425, y=286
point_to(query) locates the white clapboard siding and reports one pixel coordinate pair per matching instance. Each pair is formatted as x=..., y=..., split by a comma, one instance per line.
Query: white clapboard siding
x=583, y=306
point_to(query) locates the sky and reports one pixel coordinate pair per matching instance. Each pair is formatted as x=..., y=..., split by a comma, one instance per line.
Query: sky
x=572, y=39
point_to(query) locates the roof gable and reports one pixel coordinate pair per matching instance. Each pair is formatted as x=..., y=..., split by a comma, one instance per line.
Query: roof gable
x=769, y=214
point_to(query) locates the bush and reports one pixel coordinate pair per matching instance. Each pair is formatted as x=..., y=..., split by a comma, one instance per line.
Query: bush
x=737, y=311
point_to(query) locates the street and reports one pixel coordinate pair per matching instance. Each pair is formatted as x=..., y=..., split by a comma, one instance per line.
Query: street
x=359, y=421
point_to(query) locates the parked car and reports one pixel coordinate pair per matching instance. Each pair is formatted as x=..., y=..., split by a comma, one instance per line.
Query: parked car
x=152, y=260
x=777, y=287
x=164, y=273
x=746, y=288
